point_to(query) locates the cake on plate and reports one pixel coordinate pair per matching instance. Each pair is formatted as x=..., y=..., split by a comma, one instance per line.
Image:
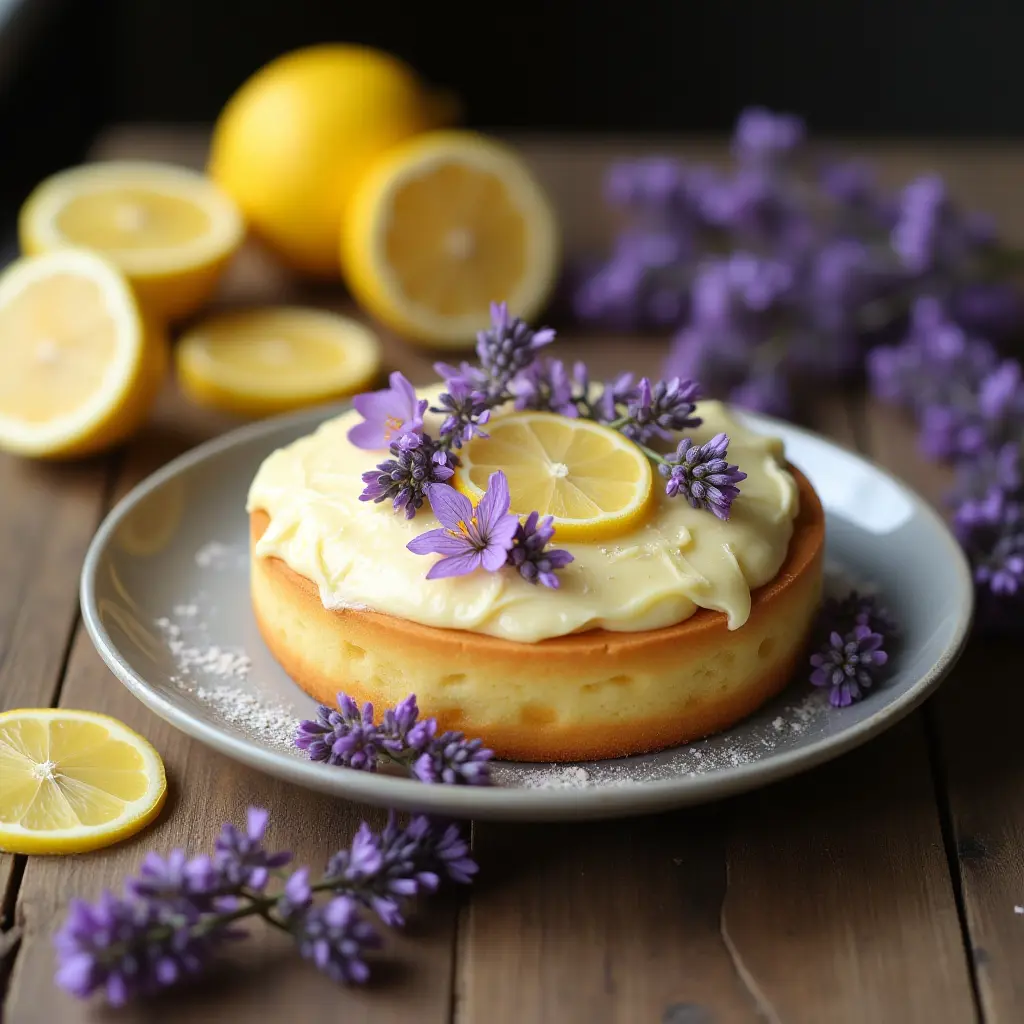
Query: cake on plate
x=668, y=596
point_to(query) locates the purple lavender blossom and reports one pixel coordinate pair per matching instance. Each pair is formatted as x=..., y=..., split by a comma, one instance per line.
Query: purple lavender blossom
x=764, y=137
x=452, y=760
x=387, y=414
x=546, y=384
x=335, y=938
x=398, y=730
x=530, y=553
x=416, y=463
x=386, y=870
x=848, y=664
x=991, y=530
x=1001, y=470
x=344, y=736
x=240, y=858
x=509, y=346
x=187, y=885
x=857, y=609
x=662, y=410
x=702, y=475
x=470, y=537
x=466, y=410
x=125, y=948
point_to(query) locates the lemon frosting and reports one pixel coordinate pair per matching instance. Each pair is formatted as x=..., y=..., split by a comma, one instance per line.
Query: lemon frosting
x=651, y=576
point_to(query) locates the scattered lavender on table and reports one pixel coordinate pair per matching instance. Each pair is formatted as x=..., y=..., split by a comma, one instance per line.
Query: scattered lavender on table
x=177, y=913
x=853, y=632
x=402, y=738
x=782, y=267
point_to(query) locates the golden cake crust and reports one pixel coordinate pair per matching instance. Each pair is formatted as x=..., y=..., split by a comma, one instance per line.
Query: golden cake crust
x=585, y=696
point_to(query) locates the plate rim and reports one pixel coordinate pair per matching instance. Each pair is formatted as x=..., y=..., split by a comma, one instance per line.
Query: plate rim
x=496, y=802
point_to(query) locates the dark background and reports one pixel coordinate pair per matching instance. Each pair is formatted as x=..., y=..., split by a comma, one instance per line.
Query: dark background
x=863, y=67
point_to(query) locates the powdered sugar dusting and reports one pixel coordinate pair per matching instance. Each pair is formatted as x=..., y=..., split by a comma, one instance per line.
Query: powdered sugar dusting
x=216, y=555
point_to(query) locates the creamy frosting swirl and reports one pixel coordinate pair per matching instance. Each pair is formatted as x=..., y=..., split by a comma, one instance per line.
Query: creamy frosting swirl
x=651, y=576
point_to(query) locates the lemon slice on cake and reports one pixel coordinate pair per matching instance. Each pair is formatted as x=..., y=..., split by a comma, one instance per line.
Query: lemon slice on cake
x=74, y=781
x=592, y=480
x=440, y=227
x=262, y=361
x=79, y=367
x=170, y=230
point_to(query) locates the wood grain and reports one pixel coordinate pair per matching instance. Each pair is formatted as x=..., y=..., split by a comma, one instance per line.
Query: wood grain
x=975, y=728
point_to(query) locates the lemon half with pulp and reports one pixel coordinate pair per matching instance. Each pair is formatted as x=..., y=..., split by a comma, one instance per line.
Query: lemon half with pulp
x=170, y=230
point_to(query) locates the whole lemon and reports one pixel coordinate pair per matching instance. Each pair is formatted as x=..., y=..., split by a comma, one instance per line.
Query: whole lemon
x=293, y=141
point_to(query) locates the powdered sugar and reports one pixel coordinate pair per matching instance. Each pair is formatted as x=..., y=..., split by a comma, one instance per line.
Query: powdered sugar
x=269, y=721
x=216, y=555
x=558, y=777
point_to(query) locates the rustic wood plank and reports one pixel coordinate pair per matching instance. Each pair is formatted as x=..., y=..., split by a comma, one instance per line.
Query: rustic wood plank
x=981, y=765
x=266, y=979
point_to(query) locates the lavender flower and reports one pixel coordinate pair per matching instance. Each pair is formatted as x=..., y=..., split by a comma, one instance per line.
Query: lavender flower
x=702, y=474
x=848, y=664
x=388, y=414
x=402, y=737
x=470, y=537
x=546, y=384
x=386, y=870
x=764, y=137
x=857, y=609
x=466, y=410
x=992, y=532
x=509, y=346
x=660, y=411
x=530, y=554
x=240, y=858
x=345, y=736
x=169, y=924
x=416, y=462
x=1000, y=470
x=453, y=760
x=335, y=938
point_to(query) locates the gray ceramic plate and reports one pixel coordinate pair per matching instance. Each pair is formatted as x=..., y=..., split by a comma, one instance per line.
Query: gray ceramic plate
x=165, y=600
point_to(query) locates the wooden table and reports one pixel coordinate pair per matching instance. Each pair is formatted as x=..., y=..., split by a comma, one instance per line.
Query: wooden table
x=880, y=888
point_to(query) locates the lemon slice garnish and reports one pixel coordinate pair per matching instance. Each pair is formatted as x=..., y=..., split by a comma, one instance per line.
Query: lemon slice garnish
x=79, y=369
x=169, y=229
x=592, y=480
x=441, y=227
x=74, y=781
x=262, y=361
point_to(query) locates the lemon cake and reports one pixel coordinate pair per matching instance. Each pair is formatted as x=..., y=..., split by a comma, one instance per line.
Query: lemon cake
x=668, y=622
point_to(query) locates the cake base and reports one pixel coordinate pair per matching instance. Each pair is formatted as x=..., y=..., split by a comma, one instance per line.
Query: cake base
x=587, y=696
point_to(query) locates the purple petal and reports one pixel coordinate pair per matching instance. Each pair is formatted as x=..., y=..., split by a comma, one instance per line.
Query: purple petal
x=438, y=542
x=494, y=504
x=449, y=505
x=456, y=565
x=494, y=556
x=256, y=823
x=368, y=435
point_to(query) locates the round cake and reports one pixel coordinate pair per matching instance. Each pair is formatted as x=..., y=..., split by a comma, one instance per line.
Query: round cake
x=677, y=628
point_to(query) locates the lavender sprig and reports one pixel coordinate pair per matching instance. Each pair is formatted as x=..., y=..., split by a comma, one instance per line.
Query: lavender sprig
x=853, y=632
x=402, y=738
x=174, y=917
x=416, y=462
x=702, y=475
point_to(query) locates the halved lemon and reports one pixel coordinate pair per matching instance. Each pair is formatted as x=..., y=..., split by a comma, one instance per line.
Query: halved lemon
x=169, y=229
x=440, y=227
x=594, y=481
x=79, y=367
x=262, y=361
x=74, y=781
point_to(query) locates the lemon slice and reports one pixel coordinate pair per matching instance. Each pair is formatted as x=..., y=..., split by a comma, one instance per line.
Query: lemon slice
x=74, y=781
x=79, y=369
x=169, y=229
x=440, y=227
x=592, y=480
x=261, y=361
